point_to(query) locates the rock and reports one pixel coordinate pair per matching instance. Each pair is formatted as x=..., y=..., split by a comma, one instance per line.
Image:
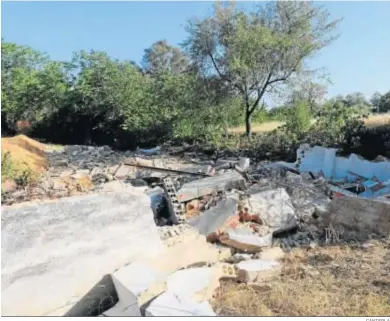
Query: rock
x=112, y=169
x=239, y=257
x=168, y=304
x=8, y=186
x=244, y=240
x=61, y=162
x=366, y=245
x=138, y=182
x=122, y=171
x=37, y=191
x=215, y=218
x=358, y=214
x=58, y=184
x=80, y=173
x=70, y=149
x=209, y=185
x=186, y=248
x=244, y=163
x=257, y=270
x=273, y=254
x=195, y=286
x=274, y=207
x=66, y=173
x=311, y=246
x=101, y=177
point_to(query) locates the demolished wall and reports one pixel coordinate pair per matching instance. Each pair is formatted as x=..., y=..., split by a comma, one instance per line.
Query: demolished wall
x=53, y=253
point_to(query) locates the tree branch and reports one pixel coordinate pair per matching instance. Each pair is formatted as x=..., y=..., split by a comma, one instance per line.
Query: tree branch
x=261, y=93
x=223, y=76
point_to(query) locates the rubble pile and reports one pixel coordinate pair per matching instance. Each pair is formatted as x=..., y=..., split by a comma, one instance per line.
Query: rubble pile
x=224, y=218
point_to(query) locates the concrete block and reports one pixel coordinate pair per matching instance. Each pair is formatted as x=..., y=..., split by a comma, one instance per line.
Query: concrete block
x=209, y=185
x=55, y=252
x=257, y=270
x=130, y=282
x=361, y=216
x=275, y=208
x=122, y=171
x=168, y=304
x=245, y=240
x=214, y=218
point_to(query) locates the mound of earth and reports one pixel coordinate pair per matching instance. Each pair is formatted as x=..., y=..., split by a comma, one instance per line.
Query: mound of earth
x=26, y=151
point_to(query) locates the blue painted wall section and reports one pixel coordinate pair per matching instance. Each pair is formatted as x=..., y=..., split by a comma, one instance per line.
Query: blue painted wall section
x=374, y=176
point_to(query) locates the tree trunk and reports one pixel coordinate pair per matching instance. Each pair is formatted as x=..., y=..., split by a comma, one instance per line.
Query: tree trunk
x=248, y=125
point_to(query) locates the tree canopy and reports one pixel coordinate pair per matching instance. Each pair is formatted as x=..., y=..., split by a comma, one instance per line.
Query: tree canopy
x=252, y=52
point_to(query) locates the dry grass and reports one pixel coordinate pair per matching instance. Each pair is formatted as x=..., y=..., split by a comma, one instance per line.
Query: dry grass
x=377, y=120
x=331, y=281
x=25, y=151
x=257, y=128
x=371, y=122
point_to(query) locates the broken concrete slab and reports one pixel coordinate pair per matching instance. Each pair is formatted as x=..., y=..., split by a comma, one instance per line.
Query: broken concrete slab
x=359, y=216
x=257, y=270
x=273, y=253
x=192, y=288
x=209, y=185
x=186, y=283
x=61, y=249
x=274, y=207
x=122, y=171
x=130, y=283
x=184, y=250
x=213, y=219
x=168, y=304
x=245, y=240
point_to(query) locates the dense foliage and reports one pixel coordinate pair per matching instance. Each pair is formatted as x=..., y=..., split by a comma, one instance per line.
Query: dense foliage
x=231, y=61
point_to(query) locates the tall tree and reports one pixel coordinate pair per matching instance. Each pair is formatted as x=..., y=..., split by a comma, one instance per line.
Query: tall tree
x=162, y=57
x=32, y=86
x=252, y=52
x=381, y=103
x=311, y=93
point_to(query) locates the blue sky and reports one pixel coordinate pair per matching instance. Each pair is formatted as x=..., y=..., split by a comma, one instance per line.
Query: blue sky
x=358, y=61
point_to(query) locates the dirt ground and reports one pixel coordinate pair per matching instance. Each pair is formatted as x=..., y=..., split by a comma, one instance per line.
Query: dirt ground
x=25, y=151
x=340, y=280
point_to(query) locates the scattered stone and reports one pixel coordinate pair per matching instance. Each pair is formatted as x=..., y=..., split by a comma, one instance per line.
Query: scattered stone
x=138, y=182
x=71, y=149
x=122, y=171
x=274, y=207
x=273, y=254
x=61, y=162
x=8, y=186
x=257, y=270
x=243, y=239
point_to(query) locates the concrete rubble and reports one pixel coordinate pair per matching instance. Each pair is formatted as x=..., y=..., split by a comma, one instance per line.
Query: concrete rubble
x=177, y=226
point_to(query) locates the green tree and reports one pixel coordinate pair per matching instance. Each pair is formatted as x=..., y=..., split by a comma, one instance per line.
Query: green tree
x=381, y=103
x=252, y=52
x=33, y=87
x=108, y=95
x=335, y=122
x=162, y=57
x=298, y=119
x=309, y=92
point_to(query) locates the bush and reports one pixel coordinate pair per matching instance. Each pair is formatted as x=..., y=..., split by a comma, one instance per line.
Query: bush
x=22, y=175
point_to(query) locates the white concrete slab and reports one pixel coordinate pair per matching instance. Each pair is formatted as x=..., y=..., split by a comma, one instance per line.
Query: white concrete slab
x=54, y=253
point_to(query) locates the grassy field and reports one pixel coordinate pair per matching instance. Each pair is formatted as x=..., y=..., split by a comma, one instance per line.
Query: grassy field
x=337, y=280
x=371, y=122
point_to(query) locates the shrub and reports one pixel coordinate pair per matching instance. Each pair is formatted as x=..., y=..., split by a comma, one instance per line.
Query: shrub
x=21, y=174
